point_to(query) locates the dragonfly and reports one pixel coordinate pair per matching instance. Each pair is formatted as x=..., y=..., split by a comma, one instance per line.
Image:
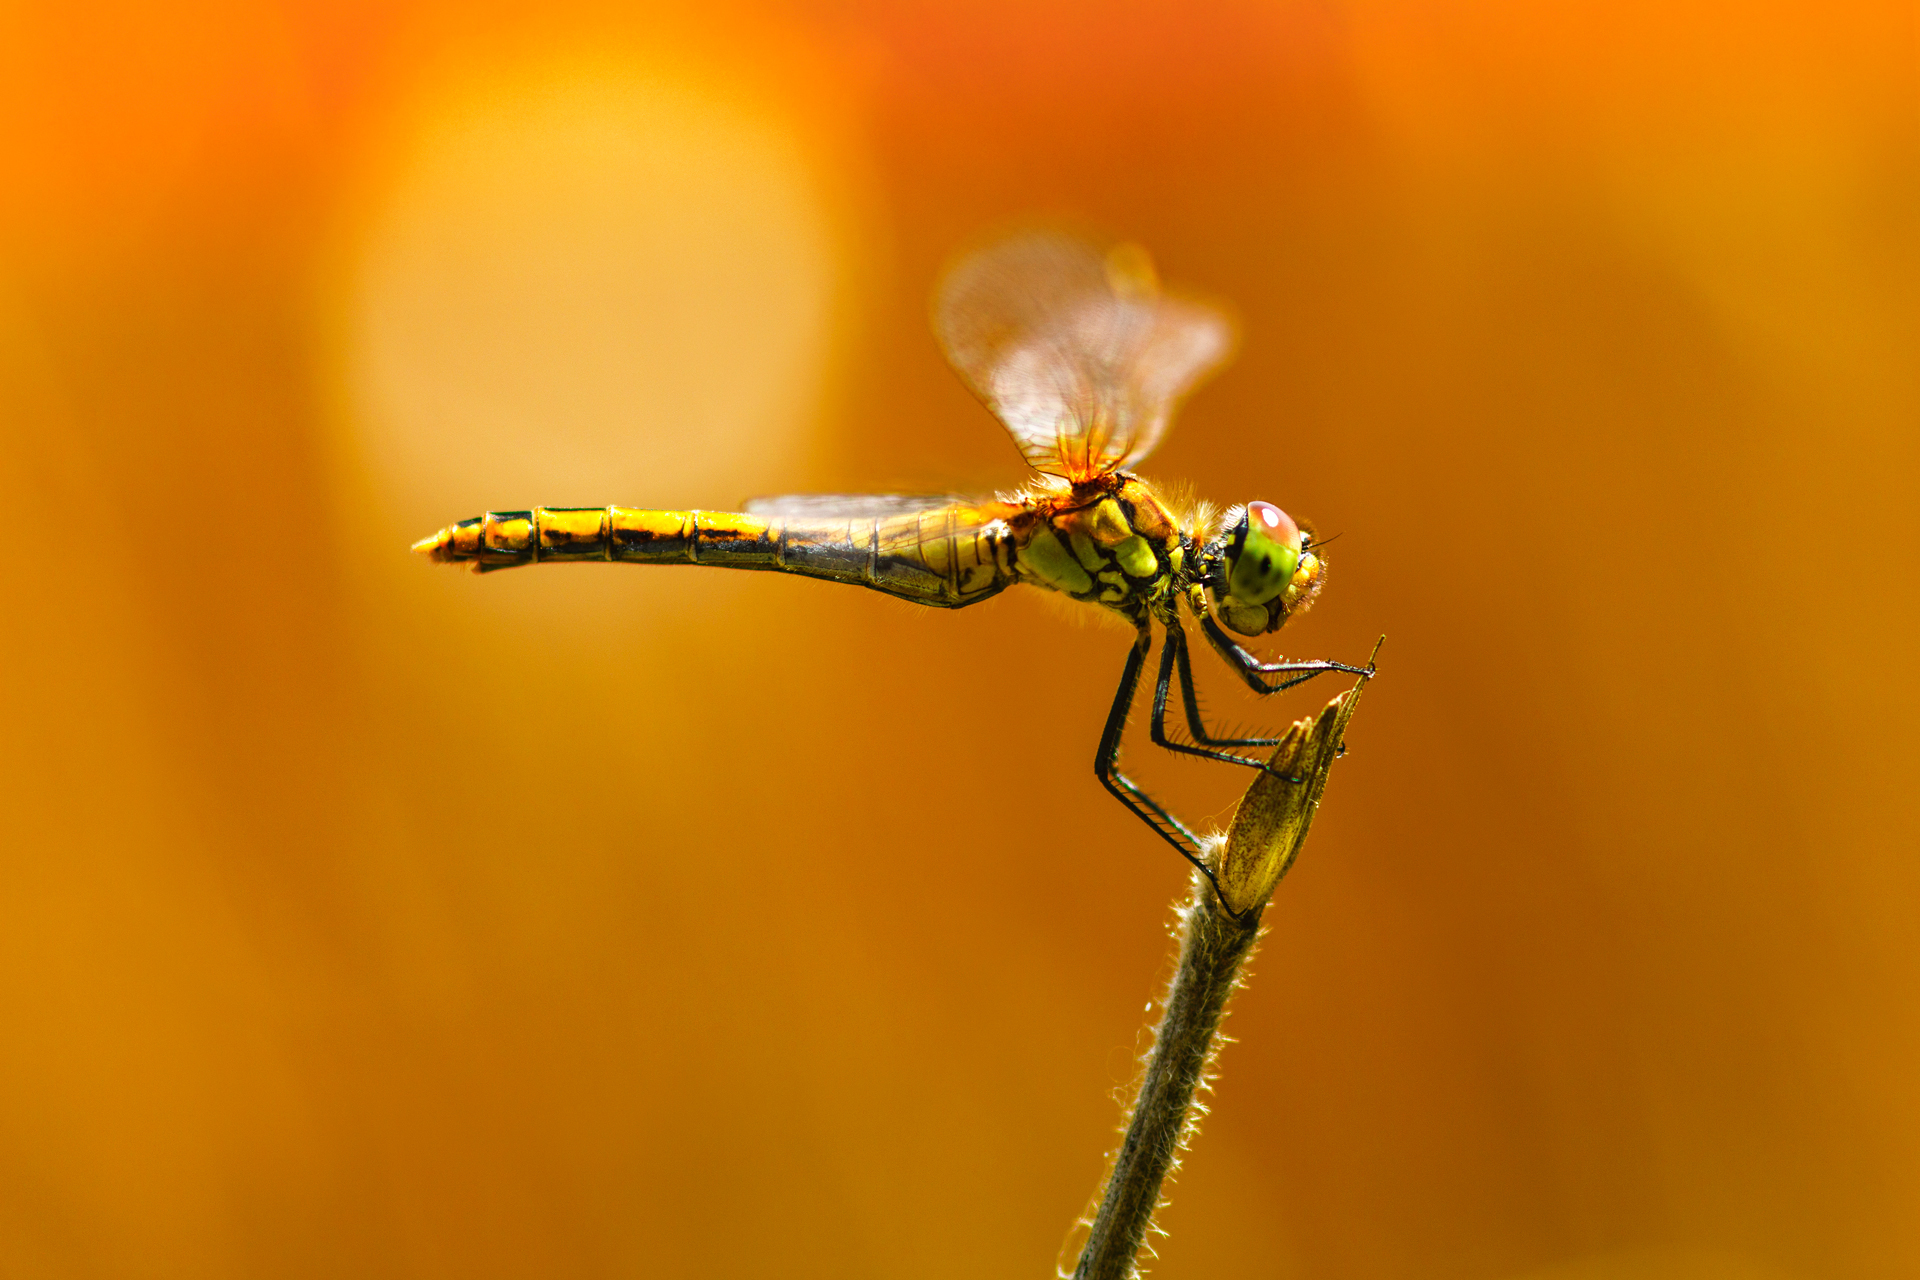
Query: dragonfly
x=1083, y=358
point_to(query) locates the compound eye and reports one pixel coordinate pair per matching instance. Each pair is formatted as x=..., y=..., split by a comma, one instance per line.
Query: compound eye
x=1273, y=522
x=1263, y=564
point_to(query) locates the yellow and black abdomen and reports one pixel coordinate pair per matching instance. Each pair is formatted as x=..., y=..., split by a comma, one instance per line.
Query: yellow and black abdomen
x=946, y=557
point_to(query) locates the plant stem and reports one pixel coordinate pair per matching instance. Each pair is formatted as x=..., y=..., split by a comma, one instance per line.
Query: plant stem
x=1262, y=841
x=1212, y=945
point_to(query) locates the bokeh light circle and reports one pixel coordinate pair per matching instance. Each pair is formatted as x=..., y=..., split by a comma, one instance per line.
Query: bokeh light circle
x=589, y=281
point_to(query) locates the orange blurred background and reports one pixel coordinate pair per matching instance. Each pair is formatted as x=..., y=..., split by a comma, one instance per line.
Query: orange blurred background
x=364, y=919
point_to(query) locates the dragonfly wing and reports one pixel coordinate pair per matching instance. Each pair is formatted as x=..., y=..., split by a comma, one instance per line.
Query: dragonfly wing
x=847, y=506
x=1077, y=352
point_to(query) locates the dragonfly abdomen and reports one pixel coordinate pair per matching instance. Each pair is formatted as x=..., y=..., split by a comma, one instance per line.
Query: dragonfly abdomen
x=946, y=558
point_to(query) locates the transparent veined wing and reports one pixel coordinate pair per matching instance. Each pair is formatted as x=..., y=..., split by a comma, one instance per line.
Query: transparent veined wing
x=1076, y=351
x=847, y=506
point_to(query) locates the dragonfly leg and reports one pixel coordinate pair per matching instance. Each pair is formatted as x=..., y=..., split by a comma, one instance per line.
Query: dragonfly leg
x=1176, y=662
x=1254, y=671
x=1106, y=766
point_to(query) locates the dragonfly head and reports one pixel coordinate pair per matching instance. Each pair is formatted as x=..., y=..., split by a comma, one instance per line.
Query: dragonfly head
x=1263, y=570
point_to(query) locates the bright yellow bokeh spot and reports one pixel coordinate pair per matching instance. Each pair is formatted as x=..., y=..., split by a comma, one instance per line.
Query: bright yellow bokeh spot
x=586, y=281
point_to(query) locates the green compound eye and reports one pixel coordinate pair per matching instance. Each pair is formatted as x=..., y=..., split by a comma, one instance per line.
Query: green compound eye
x=1263, y=563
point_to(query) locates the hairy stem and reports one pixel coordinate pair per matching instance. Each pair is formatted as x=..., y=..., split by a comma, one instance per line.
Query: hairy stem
x=1262, y=842
x=1212, y=945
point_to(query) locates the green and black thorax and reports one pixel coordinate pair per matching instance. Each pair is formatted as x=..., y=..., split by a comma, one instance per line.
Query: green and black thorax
x=1111, y=541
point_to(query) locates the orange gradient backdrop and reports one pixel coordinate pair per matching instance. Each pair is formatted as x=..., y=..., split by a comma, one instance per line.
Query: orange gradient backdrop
x=359, y=919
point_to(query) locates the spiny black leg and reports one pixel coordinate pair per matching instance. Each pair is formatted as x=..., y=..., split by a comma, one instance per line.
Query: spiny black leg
x=1251, y=669
x=1106, y=767
x=1174, y=660
x=1192, y=699
x=1106, y=762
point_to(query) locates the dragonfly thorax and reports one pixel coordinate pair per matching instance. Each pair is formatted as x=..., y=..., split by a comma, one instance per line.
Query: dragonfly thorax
x=1109, y=541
